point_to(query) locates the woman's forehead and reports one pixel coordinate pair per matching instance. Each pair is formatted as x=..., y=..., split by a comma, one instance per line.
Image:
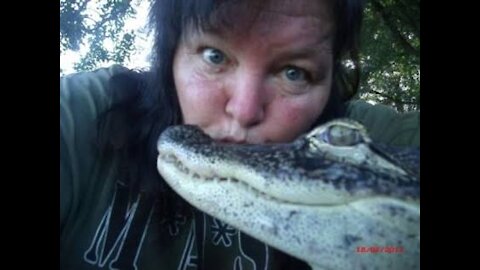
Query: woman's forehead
x=245, y=16
x=315, y=8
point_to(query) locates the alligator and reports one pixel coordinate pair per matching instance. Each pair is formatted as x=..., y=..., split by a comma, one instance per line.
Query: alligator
x=332, y=198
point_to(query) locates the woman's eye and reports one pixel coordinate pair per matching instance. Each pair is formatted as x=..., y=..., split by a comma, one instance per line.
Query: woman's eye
x=296, y=74
x=213, y=56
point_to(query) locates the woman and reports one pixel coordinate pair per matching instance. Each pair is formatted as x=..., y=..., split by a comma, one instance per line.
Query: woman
x=244, y=72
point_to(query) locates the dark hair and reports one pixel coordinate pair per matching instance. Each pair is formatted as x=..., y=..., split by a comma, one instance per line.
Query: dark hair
x=146, y=103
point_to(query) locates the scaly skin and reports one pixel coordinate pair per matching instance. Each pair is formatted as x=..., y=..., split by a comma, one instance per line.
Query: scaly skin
x=320, y=198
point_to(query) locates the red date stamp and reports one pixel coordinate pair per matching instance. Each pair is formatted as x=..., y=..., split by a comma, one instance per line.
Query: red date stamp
x=379, y=249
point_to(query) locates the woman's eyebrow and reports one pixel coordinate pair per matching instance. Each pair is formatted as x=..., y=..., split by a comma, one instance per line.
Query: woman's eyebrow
x=215, y=31
x=209, y=33
x=318, y=49
x=315, y=53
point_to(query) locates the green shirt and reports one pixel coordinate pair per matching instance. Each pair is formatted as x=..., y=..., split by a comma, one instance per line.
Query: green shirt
x=385, y=125
x=102, y=227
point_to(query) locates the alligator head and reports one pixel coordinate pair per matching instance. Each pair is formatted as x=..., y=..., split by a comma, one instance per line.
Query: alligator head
x=332, y=198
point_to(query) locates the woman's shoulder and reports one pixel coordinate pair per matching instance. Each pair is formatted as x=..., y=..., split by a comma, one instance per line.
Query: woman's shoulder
x=83, y=97
x=90, y=85
x=86, y=93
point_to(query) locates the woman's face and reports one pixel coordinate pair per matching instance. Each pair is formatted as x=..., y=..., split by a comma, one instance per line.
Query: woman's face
x=265, y=81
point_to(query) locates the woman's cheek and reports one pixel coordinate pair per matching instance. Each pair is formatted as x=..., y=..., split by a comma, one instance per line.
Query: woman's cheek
x=295, y=118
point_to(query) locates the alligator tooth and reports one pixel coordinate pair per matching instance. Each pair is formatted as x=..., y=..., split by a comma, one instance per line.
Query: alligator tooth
x=196, y=175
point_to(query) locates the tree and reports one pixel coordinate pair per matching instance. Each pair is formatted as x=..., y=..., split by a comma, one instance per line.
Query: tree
x=95, y=24
x=390, y=54
x=389, y=58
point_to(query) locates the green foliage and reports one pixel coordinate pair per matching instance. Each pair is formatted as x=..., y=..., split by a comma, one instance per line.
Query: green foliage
x=71, y=24
x=105, y=21
x=390, y=55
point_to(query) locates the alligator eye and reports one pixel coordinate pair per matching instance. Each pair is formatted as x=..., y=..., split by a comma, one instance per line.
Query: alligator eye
x=342, y=136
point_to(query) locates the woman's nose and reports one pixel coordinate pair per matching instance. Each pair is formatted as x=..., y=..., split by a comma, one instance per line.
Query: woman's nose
x=247, y=99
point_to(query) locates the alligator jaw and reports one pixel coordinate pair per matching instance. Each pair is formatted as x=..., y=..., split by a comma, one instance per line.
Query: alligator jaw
x=325, y=232
x=325, y=236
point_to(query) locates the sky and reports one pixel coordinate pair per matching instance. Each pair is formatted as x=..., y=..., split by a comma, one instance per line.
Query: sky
x=143, y=41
